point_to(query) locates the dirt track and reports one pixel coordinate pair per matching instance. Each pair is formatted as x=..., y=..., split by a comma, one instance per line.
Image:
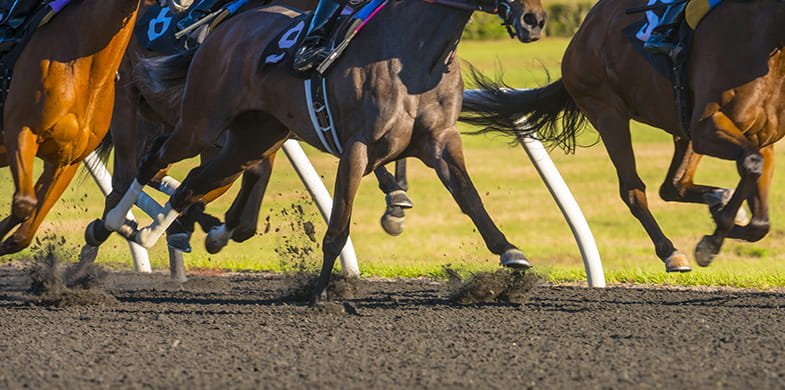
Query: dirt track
x=237, y=332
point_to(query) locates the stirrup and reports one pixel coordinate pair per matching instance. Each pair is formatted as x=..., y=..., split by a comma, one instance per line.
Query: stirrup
x=189, y=20
x=309, y=56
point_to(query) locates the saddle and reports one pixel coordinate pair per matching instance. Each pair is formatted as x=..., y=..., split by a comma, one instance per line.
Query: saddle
x=672, y=67
x=281, y=51
x=157, y=29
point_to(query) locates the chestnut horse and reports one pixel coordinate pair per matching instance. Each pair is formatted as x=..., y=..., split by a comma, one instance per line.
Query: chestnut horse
x=59, y=106
x=395, y=93
x=738, y=84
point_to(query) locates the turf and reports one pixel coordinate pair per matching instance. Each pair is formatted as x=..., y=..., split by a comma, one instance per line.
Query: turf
x=438, y=234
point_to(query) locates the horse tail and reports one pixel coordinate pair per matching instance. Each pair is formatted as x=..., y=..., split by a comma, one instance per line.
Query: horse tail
x=162, y=79
x=104, y=149
x=534, y=113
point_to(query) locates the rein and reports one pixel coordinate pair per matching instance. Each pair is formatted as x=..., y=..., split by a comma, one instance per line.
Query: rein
x=491, y=8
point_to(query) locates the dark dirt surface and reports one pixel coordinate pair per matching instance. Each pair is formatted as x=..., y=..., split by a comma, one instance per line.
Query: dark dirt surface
x=237, y=331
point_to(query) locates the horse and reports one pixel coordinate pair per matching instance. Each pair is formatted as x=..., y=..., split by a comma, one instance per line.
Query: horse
x=59, y=106
x=138, y=120
x=736, y=77
x=396, y=92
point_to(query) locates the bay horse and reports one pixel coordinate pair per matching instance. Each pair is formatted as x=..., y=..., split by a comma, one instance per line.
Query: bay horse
x=140, y=117
x=59, y=106
x=737, y=77
x=395, y=93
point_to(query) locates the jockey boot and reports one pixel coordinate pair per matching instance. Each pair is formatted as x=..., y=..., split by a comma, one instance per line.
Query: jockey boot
x=665, y=36
x=314, y=47
x=198, y=11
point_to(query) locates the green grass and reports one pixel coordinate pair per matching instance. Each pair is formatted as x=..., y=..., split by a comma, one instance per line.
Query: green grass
x=438, y=234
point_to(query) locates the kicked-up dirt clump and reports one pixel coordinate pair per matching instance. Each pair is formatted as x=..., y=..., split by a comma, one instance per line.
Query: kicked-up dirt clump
x=502, y=285
x=54, y=283
x=299, y=287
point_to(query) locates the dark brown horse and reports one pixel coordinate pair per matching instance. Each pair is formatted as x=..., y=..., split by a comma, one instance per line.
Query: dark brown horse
x=59, y=106
x=396, y=93
x=139, y=119
x=737, y=79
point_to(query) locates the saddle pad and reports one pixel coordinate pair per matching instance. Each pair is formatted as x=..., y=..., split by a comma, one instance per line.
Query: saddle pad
x=156, y=28
x=697, y=9
x=281, y=48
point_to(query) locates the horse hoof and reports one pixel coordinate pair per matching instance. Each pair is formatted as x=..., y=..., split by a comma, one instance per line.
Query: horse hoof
x=217, y=238
x=514, y=258
x=705, y=251
x=398, y=198
x=392, y=224
x=179, y=241
x=96, y=233
x=677, y=262
x=88, y=254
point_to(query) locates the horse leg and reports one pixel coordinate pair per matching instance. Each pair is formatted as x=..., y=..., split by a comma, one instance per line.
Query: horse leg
x=718, y=136
x=679, y=185
x=351, y=168
x=20, y=152
x=52, y=183
x=446, y=157
x=168, y=149
x=243, y=215
x=759, y=225
x=243, y=149
x=395, y=189
x=615, y=132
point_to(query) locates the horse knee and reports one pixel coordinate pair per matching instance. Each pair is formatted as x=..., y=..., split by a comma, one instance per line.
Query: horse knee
x=753, y=164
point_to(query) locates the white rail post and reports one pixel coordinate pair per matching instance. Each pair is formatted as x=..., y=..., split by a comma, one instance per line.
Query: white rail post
x=567, y=204
x=102, y=177
x=569, y=207
x=322, y=197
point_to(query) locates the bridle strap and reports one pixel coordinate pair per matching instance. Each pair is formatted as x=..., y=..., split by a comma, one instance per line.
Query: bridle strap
x=479, y=6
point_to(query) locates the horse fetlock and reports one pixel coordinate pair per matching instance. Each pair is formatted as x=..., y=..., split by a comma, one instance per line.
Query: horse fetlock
x=243, y=233
x=756, y=230
x=96, y=233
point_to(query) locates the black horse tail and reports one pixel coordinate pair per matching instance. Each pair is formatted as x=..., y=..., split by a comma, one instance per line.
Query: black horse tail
x=534, y=113
x=104, y=149
x=164, y=77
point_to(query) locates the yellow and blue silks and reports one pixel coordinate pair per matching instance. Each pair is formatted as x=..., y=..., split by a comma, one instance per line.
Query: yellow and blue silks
x=697, y=9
